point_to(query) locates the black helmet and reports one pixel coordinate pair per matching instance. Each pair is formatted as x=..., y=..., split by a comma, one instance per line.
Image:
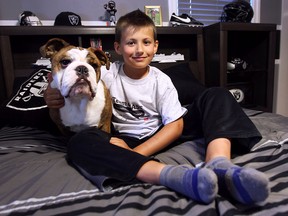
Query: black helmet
x=237, y=11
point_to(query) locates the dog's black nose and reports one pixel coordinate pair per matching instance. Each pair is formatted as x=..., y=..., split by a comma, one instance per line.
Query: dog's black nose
x=82, y=70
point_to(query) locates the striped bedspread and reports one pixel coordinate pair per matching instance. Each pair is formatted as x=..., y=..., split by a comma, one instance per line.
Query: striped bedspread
x=35, y=178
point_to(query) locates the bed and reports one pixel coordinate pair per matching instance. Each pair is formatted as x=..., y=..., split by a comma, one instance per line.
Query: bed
x=37, y=180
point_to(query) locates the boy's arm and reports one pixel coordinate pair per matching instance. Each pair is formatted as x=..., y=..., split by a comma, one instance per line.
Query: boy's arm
x=53, y=97
x=54, y=101
x=161, y=139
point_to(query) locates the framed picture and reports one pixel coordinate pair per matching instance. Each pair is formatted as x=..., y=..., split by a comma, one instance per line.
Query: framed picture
x=154, y=12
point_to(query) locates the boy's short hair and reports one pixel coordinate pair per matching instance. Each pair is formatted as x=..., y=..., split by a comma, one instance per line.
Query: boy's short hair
x=136, y=19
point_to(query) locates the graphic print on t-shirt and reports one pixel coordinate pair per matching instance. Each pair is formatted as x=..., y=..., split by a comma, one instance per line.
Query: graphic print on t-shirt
x=134, y=110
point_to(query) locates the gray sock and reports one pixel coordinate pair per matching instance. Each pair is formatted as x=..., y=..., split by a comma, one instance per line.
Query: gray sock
x=246, y=185
x=199, y=184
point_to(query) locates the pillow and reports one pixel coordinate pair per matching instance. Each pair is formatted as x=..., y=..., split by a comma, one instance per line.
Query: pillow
x=185, y=82
x=26, y=107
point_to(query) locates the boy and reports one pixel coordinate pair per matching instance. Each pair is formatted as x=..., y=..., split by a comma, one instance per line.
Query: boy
x=148, y=117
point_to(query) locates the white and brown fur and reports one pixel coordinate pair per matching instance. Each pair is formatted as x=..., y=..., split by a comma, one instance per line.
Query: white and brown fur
x=76, y=73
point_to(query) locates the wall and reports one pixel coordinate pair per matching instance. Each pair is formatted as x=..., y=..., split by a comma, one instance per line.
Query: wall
x=277, y=12
x=281, y=90
x=89, y=10
x=270, y=11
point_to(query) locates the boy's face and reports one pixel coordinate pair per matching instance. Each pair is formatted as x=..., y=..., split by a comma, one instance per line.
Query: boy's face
x=137, y=47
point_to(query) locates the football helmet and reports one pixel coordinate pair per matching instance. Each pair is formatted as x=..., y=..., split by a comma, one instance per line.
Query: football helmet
x=27, y=18
x=236, y=64
x=237, y=11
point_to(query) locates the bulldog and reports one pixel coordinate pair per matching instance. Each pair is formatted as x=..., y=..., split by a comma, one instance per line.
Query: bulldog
x=76, y=73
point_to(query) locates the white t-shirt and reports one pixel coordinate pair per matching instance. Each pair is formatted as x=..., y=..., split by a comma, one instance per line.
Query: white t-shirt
x=141, y=106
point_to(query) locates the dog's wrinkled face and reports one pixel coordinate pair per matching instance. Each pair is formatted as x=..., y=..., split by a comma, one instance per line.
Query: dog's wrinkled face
x=76, y=72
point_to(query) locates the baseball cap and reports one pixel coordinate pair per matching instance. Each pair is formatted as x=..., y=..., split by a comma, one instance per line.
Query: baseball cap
x=67, y=19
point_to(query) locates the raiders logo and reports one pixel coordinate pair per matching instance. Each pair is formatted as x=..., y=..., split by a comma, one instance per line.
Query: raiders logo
x=30, y=93
x=238, y=94
x=73, y=19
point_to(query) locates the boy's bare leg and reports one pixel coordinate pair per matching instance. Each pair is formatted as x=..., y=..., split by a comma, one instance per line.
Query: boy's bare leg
x=150, y=172
x=220, y=147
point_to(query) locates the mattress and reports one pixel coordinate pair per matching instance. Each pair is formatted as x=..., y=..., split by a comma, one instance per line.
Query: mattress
x=36, y=179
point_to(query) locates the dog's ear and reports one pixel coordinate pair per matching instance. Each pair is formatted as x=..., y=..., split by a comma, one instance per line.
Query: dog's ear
x=52, y=46
x=101, y=56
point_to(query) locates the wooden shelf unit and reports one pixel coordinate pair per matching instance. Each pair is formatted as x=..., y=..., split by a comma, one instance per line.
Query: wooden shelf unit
x=19, y=47
x=253, y=43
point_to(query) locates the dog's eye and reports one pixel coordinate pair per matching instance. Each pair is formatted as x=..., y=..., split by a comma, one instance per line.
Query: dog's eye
x=65, y=62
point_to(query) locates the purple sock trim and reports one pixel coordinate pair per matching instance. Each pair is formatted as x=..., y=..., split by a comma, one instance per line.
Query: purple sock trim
x=241, y=190
x=195, y=183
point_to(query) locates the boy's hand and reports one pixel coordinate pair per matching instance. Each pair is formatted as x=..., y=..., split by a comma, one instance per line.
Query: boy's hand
x=52, y=96
x=119, y=142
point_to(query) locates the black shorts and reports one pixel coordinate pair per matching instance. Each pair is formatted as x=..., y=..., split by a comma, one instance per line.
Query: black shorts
x=213, y=114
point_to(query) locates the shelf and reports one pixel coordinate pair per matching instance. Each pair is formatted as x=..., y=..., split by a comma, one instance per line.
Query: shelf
x=251, y=42
x=19, y=46
x=89, y=30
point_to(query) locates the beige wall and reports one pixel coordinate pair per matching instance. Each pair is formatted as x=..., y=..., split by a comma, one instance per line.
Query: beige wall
x=277, y=12
x=281, y=88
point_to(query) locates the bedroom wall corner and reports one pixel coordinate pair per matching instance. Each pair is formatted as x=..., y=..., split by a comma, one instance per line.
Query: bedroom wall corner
x=281, y=88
